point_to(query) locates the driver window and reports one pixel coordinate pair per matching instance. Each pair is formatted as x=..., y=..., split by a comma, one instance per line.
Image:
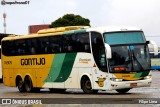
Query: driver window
x=98, y=50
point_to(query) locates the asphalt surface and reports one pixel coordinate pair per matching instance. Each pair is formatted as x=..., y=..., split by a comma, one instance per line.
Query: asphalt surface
x=134, y=98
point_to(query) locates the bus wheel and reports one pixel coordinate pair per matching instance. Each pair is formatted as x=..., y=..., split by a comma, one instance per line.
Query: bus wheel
x=86, y=86
x=21, y=86
x=28, y=84
x=122, y=91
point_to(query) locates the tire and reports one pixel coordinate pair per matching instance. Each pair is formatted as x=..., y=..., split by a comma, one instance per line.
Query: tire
x=53, y=90
x=28, y=84
x=86, y=86
x=1, y=80
x=21, y=86
x=123, y=91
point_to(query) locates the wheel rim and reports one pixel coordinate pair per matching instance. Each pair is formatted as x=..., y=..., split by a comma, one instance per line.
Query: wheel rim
x=88, y=85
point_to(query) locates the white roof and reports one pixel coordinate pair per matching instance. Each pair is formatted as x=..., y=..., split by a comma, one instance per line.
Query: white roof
x=114, y=29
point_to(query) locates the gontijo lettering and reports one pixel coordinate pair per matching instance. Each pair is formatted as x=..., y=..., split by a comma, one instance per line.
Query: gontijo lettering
x=33, y=61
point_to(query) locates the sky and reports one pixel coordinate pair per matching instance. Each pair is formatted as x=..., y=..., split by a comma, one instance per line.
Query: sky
x=144, y=14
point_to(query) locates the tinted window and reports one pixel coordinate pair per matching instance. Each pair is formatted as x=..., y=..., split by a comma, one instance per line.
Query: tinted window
x=76, y=43
x=115, y=38
x=32, y=46
x=83, y=42
x=43, y=45
x=47, y=45
x=55, y=45
x=99, y=51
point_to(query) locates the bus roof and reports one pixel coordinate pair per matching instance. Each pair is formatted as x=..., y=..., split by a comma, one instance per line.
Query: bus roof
x=61, y=29
x=72, y=29
x=114, y=29
x=48, y=32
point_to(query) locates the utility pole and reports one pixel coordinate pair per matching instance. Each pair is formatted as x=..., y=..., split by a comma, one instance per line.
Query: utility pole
x=4, y=24
x=4, y=16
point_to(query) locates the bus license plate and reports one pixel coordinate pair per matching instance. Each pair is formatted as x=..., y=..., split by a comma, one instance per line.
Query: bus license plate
x=133, y=84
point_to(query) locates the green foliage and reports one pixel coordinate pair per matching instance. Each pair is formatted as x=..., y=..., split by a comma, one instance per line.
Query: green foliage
x=71, y=20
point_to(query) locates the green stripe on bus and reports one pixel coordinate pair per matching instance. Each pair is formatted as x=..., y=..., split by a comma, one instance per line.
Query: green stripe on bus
x=61, y=67
x=75, y=31
x=66, y=67
x=55, y=67
x=141, y=74
x=137, y=75
x=80, y=31
x=69, y=32
x=145, y=73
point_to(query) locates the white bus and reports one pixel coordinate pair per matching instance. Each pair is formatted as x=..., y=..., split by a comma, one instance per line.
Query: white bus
x=91, y=59
x=154, y=53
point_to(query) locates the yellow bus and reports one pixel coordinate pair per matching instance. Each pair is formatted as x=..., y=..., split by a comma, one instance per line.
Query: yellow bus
x=2, y=35
x=77, y=57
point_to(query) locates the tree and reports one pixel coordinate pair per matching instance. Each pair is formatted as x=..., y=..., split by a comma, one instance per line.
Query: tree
x=71, y=20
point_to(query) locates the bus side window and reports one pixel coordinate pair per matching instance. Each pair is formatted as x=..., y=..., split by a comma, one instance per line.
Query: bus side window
x=55, y=44
x=76, y=42
x=83, y=42
x=31, y=46
x=67, y=43
x=43, y=45
x=98, y=50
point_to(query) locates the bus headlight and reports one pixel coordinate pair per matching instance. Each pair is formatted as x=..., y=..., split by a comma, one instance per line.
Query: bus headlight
x=148, y=77
x=115, y=79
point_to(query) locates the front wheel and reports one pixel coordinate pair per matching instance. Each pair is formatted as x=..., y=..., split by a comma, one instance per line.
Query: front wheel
x=122, y=91
x=86, y=87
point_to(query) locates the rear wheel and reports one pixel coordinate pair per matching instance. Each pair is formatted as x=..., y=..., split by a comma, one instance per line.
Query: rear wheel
x=1, y=80
x=122, y=91
x=87, y=87
x=28, y=84
x=21, y=86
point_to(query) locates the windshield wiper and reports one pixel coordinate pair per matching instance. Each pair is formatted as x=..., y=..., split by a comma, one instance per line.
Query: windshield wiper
x=139, y=64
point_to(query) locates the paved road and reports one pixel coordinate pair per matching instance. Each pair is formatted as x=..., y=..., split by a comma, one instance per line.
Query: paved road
x=144, y=92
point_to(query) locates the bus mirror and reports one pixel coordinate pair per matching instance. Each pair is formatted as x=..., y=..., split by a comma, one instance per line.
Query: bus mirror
x=147, y=42
x=108, y=51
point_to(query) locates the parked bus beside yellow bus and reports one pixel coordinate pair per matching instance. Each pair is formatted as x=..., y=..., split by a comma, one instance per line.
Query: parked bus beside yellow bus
x=91, y=59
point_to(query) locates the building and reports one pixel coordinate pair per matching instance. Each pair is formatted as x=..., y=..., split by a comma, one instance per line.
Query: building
x=36, y=28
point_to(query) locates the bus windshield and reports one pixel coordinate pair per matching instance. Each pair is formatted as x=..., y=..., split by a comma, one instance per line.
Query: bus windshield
x=129, y=58
x=128, y=54
x=116, y=38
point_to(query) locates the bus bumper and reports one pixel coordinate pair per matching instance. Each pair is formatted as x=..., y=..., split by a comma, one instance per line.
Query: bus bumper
x=130, y=84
